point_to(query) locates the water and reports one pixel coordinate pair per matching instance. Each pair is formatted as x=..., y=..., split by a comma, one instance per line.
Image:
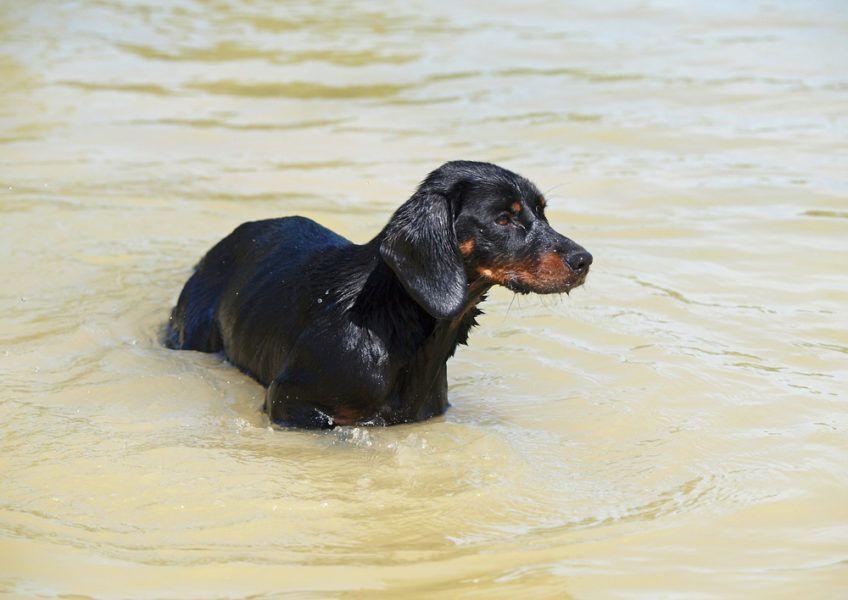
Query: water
x=676, y=426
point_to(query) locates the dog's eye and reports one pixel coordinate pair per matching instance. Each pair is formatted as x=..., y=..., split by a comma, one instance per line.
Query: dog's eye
x=504, y=218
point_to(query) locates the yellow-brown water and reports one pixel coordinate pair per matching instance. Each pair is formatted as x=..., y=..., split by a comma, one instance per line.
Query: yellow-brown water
x=676, y=426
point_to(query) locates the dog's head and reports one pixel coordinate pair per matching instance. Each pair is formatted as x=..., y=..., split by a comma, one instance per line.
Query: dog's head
x=473, y=221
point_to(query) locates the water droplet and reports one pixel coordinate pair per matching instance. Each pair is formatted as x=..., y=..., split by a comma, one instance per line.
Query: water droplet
x=320, y=300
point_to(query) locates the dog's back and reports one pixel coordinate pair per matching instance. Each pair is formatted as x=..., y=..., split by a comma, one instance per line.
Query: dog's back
x=287, y=243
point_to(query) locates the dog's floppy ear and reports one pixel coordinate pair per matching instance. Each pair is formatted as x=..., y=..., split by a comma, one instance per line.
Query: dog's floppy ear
x=420, y=246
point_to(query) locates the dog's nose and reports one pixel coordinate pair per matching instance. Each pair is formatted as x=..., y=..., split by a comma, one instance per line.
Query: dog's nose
x=579, y=261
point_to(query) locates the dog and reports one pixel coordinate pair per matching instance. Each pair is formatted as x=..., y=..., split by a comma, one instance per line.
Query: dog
x=348, y=334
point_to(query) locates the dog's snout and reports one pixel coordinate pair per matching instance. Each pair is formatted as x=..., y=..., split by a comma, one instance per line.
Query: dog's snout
x=579, y=261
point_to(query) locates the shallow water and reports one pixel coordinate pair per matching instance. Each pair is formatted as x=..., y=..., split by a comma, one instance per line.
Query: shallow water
x=675, y=427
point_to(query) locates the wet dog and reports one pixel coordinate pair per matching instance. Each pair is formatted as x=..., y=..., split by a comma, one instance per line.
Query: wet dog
x=345, y=334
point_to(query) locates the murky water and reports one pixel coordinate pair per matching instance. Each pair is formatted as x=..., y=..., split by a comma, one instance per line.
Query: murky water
x=677, y=426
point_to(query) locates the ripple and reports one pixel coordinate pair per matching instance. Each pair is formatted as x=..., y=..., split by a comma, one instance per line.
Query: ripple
x=220, y=52
x=829, y=214
x=135, y=88
x=348, y=58
x=580, y=74
x=229, y=51
x=210, y=123
x=300, y=90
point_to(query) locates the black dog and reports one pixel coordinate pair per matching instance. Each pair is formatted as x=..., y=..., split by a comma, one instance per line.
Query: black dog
x=347, y=334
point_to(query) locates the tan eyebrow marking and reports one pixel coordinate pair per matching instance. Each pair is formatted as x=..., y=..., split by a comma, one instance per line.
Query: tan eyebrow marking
x=542, y=201
x=516, y=207
x=467, y=247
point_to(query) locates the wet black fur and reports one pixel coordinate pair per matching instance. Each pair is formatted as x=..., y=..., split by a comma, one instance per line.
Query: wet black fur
x=347, y=333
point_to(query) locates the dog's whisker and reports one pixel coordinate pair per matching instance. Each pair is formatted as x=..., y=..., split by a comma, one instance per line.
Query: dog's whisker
x=550, y=189
x=508, y=308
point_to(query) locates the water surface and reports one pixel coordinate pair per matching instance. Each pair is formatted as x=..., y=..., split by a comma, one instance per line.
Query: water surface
x=676, y=426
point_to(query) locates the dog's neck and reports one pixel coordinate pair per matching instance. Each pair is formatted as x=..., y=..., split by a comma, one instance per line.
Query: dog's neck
x=379, y=302
x=418, y=345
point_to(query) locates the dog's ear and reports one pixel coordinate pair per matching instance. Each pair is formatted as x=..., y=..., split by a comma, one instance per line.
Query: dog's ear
x=420, y=246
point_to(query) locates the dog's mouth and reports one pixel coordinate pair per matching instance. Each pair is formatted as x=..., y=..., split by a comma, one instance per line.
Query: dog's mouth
x=543, y=285
x=548, y=275
x=576, y=281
